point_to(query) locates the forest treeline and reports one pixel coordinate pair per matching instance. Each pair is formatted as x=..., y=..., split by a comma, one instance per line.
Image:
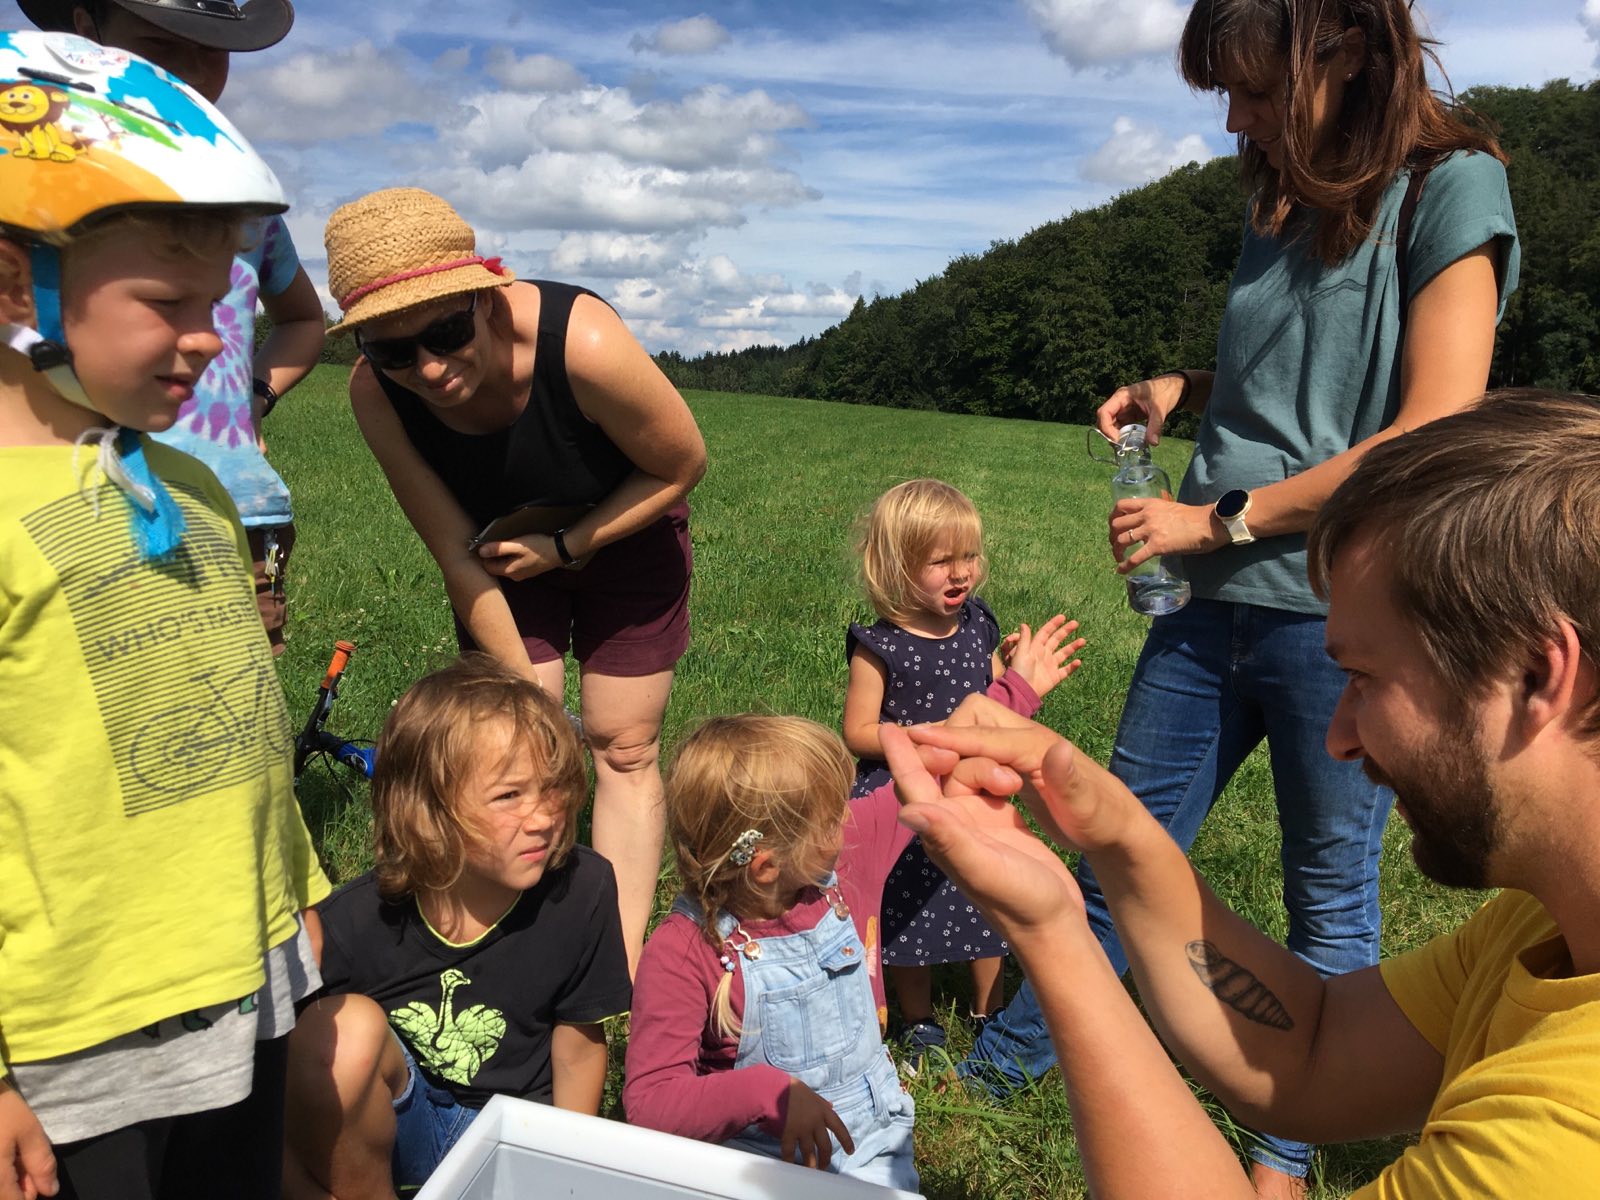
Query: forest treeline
x=1047, y=325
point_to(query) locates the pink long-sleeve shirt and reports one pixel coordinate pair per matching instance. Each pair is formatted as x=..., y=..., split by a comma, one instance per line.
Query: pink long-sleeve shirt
x=680, y=1076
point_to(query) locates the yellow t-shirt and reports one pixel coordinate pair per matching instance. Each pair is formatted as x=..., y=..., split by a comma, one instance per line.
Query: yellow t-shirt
x=1517, y=1116
x=151, y=849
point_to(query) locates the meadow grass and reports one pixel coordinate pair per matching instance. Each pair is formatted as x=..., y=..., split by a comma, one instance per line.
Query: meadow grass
x=774, y=588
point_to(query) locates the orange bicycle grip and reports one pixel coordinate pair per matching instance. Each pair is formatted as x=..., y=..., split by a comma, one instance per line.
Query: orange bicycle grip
x=341, y=659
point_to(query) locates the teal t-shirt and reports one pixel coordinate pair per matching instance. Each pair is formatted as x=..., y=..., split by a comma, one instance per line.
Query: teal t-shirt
x=1308, y=361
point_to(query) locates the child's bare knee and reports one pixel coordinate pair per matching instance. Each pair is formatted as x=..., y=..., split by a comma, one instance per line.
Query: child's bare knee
x=345, y=1069
x=345, y=1042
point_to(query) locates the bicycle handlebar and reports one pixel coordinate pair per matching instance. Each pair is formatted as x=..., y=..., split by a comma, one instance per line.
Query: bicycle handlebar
x=357, y=757
x=341, y=659
x=311, y=737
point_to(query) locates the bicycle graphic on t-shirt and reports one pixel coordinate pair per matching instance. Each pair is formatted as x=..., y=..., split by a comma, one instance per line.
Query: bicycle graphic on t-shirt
x=211, y=741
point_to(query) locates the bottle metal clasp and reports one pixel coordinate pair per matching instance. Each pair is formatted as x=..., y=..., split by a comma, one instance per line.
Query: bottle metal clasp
x=1095, y=440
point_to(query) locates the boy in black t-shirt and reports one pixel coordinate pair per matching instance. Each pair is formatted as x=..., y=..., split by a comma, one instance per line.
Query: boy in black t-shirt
x=479, y=955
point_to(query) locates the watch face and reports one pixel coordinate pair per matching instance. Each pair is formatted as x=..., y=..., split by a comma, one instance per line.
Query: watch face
x=1233, y=504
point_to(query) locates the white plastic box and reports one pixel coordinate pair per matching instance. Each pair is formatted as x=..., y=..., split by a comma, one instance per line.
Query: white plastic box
x=518, y=1149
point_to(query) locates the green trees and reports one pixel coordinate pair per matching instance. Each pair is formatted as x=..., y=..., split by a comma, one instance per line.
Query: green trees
x=1046, y=326
x=1551, y=336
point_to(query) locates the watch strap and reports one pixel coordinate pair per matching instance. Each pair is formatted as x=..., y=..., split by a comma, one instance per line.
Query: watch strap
x=560, y=539
x=267, y=393
x=1238, y=532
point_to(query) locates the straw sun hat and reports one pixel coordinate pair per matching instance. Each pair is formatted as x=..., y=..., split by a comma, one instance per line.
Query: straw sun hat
x=395, y=249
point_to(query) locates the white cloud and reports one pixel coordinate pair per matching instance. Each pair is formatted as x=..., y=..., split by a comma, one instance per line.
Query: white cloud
x=721, y=275
x=1591, y=22
x=1137, y=153
x=613, y=255
x=587, y=160
x=568, y=177
x=693, y=35
x=598, y=160
x=554, y=190
x=709, y=127
x=814, y=303
x=535, y=73
x=709, y=304
x=1090, y=33
x=359, y=90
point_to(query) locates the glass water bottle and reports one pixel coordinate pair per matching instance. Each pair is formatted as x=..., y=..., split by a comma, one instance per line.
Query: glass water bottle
x=1158, y=585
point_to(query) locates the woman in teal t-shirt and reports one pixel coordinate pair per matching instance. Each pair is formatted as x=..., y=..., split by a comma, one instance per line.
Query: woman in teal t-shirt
x=1335, y=118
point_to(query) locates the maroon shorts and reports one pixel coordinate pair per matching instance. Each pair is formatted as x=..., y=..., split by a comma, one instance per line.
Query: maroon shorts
x=626, y=612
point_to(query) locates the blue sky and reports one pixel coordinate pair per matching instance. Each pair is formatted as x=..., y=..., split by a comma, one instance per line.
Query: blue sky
x=731, y=174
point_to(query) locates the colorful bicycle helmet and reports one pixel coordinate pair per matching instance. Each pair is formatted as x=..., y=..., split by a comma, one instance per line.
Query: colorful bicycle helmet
x=87, y=130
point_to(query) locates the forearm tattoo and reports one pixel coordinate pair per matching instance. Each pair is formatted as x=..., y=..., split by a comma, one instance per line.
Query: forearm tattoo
x=1237, y=987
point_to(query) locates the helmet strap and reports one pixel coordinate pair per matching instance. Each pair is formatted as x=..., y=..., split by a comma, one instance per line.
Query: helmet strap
x=46, y=346
x=154, y=518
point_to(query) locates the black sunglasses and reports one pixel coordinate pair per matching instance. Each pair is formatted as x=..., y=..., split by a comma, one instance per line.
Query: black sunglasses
x=444, y=336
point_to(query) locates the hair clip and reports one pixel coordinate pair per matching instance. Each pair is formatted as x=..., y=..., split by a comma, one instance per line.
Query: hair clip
x=727, y=963
x=744, y=847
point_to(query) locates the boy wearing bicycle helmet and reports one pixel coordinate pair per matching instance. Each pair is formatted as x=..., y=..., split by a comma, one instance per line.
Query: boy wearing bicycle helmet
x=152, y=857
x=221, y=423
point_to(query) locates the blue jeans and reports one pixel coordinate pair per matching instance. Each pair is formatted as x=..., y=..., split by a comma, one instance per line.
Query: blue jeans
x=1212, y=681
x=428, y=1122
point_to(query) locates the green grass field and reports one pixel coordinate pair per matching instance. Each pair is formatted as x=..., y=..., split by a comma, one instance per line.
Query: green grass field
x=774, y=588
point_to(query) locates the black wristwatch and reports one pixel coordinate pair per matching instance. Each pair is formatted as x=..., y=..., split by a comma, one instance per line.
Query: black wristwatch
x=559, y=537
x=265, y=390
x=1231, y=508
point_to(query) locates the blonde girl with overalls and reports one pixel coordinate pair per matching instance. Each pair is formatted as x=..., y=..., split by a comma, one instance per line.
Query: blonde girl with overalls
x=756, y=1005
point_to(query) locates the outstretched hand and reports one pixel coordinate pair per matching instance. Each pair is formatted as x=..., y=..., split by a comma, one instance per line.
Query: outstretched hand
x=979, y=838
x=805, y=1130
x=27, y=1164
x=1044, y=657
x=1077, y=801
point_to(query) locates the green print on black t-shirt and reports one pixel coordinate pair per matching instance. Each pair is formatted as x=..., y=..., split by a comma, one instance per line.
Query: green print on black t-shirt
x=452, y=1045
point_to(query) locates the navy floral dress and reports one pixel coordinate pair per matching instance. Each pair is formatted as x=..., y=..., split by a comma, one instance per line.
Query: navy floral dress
x=925, y=919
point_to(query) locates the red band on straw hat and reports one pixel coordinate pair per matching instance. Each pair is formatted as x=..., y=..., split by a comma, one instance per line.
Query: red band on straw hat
x=492, y=265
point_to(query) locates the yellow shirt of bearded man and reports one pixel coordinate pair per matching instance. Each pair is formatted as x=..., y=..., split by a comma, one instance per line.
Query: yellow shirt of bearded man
x=151, y=849
x=1518, y=1112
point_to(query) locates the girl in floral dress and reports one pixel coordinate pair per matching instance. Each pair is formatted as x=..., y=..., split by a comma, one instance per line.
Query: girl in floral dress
x=935, y=642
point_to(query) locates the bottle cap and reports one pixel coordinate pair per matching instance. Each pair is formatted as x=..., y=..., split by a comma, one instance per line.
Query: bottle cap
x=1130, y=439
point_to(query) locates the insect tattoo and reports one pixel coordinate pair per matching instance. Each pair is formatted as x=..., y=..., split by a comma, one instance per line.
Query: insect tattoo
x=1237, y=987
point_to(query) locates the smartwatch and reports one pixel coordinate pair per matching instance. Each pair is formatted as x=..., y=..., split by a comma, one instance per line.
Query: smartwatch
x=1231, y=508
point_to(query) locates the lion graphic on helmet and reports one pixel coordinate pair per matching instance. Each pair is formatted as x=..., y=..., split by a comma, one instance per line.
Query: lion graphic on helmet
x=30, y=113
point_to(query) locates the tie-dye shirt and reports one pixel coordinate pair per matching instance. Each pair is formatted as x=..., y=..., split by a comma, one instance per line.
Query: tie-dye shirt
x=214, y=424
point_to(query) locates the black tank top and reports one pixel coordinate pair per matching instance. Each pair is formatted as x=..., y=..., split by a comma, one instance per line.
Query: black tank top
x=552, y=454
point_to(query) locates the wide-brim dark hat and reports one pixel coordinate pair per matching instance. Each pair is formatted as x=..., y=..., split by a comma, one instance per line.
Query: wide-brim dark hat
x=220, y=24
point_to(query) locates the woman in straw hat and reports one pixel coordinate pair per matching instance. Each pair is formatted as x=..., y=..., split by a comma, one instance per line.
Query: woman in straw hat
x=531, y=408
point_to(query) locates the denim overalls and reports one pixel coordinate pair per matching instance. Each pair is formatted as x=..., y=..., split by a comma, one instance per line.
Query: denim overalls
x=809, y=1011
